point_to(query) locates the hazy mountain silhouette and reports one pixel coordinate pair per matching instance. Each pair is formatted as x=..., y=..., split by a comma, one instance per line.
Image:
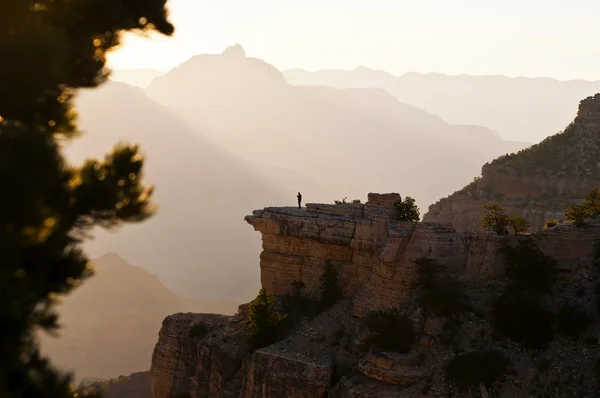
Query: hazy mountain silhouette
x=523, y=109
x=198, y=243
x=135, y=77
x=343, y=142
x=111, y=322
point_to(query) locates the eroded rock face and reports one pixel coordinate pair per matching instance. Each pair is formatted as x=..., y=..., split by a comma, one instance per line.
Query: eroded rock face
x=392, y=368
x=538, y=183
x=373, y=254
x=197, y=355
x=329, y=355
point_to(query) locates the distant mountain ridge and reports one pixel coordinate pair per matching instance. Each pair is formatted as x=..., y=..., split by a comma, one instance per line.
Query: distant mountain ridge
x=346, y=141
x=110, y=323
x=521, y=108
x=202, y=191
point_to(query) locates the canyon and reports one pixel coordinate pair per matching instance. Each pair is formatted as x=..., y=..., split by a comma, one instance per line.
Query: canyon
x=375, y=256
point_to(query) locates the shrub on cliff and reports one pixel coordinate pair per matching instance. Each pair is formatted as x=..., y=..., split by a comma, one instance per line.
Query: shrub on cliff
x=496, y=219
x=331, y=290
x=264, y=322
x=590, y=208
x=474, y=368
x=571, y=322
x=407, y=210
x=437, y=293
x=393, y=330
x=550, y=223
x=529, y=270
x=518, y=224
x=522, y=320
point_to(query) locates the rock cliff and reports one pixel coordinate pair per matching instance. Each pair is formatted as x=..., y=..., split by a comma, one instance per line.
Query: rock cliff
x=331, y=355
x=537, y=183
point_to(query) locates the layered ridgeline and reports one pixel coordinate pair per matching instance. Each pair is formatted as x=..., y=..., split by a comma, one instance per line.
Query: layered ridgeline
x=379, y=307
x=202, y=192
x=327, y=143
x=524, y=109
x=111, y=322
x=537, y=183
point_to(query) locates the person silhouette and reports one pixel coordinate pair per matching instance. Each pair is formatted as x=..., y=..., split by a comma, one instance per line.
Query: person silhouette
x=299, y=196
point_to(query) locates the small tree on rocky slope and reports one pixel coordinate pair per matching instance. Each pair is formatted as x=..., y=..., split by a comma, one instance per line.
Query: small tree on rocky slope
x=496, y=219
x=407, y=210
x=590, y=208
x=263, y=324
x=331, y=291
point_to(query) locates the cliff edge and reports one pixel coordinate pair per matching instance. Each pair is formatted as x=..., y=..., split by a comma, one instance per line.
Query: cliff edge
x=537, y=183
x=332, y=353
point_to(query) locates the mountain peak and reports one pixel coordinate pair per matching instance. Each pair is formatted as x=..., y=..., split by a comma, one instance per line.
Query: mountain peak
x=235, y=51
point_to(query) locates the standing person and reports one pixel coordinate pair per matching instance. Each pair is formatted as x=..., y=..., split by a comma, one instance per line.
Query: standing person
x=299, y=196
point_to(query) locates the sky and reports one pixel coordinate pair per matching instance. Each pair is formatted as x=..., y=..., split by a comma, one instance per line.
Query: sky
x=552, y=38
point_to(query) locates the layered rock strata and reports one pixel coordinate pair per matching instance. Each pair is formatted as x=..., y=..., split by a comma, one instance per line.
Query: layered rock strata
x=201, y=355
x=537, y=183
x=373, y=254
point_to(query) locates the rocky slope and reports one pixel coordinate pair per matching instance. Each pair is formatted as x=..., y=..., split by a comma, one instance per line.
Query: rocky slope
x=330, y=354
x=537, y=183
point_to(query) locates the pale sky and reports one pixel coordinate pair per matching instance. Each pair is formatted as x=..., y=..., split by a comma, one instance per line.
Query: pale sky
x=554, y=38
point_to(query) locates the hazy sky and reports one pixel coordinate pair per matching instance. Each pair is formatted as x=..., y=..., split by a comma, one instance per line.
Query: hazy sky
x=555, y=38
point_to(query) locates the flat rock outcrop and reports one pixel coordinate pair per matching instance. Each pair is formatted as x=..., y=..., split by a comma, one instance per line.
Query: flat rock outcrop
x=330, y=354
x=537, y=183
x=373, y=254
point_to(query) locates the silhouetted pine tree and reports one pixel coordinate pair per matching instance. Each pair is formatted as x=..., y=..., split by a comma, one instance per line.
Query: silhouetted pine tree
x=49, y=49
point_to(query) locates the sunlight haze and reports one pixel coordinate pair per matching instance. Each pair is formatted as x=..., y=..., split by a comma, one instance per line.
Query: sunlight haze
x=511, y=38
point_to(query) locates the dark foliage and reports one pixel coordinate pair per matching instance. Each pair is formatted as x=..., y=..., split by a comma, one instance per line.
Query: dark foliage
x=530, y=271
x=50, y=49
x=437, y=293
x=331, y=290
x=522, y=319
x=264, y=325
x=407, y=210
x=478, y=367
x=393, y=329
x=571, y=322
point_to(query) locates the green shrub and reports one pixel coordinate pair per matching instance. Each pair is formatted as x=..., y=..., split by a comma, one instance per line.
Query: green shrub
x=264, y=322
x=407, y=210
x=437, y=293
x=522, y=319
x=529, y=269
x=518, y=224
x=197, y=331
x=496, y=219
x=331, y=291
x=474, y=368
x=571, y=322
x=356, y=201
x=589, y=208
x=341, y=202
x=550, y=223
x=393, y=330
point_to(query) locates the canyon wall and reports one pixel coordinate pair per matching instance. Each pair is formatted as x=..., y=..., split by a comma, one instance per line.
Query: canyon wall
x=202, y=355
x=537, y=183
